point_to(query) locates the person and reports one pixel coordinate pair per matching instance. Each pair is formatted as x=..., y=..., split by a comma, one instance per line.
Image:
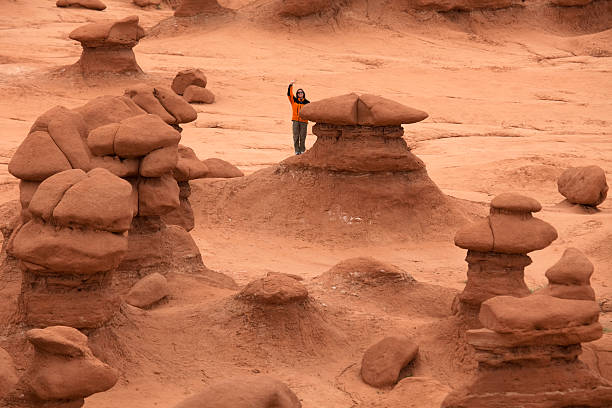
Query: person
x=300, y=125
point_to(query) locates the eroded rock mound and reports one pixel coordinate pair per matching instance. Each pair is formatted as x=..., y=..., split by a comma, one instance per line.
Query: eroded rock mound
x=383, y=361
x=276, y=289
x=497, y=251
x=244, y=392
x=191, y=8
x=365, y=271
x=107, y=47
x=528, y=352
x=218, y=168
x=88, y=4
x=584, y=185
x=64, y=368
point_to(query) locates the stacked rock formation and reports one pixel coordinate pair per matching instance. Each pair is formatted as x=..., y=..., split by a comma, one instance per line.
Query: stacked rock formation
x=63, y=371
x=584, y=185
x=107, y=47
x=497, y=251
x=528, y=352
x=191, y=8
x=162, y=102
x=570, y=278
x=71, y=245
x=245, y=392
x=87, y=176
x=191, y=83
x=88, y=4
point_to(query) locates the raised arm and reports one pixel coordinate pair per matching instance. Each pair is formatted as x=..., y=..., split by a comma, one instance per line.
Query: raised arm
x=290, y=93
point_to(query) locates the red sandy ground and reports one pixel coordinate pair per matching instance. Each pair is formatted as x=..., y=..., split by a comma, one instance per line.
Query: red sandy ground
x=510, y=107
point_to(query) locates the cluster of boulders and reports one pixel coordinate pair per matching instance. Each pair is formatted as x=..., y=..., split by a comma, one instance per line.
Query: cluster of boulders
x=88, y=4
x=191, y=84
x=62, y=372
x=497, y=251
x=583, y=185
x=107, y=47
x=528, y=349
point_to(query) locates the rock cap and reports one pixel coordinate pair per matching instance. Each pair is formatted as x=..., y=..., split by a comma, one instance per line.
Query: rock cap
x=125, y=32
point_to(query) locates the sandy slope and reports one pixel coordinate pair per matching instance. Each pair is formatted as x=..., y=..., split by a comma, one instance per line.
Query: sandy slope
x=510, y=107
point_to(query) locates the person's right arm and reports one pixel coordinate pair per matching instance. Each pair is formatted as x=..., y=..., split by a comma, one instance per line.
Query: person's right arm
x=290, y=93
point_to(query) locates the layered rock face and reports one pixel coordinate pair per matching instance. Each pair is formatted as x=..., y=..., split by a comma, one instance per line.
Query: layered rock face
x=497, y=251
x=583, y=185
x=528, y=352
x=191, y=8
x=88, y=176
x=107, y=47
x=63, y=371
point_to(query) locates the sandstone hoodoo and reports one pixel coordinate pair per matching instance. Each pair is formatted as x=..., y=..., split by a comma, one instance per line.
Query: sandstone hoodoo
x=383, y=361
x=570, y=278
x=497, y=251
x=63, y=371
x=192, y=8
x=584, y=185
x=88, y=4
x=244, y=392
x=359, y=179
x=107, y=47
x=528, y=352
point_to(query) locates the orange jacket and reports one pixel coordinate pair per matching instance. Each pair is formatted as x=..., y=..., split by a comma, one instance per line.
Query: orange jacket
x=297, y=104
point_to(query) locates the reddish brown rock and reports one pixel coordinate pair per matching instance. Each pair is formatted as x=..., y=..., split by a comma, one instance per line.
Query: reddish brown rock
x=148, y=291
x=106, y=110
x=383, y=361
x=570, y=277
x=189, y=167
x=461, y=5
x=244, y=392
x=88, y=4
x=365, y=271
x=175, y=105
x=139, y=135
x=37, y=158
x=190, y=8
x=8, y=374
x=414, y=392
x=159, y=162
x=146, y=3
x=584, y=185
x=49, y=193
x=143, y=96
x=183, y=215
x=196, y=94
x=157, y=196
x=107, y=47
x=64, y=368
x=298, y=8
x=119, y=167
x=275, y=289
x=218, y=168
x=187, y=77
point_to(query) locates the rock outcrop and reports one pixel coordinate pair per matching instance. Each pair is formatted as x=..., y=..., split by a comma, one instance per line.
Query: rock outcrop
x=570, y=278
x=497, y=251
x=64, y=371
x=244, y=392
x=107, y=47
x=383, y=361
x=88, y=4
x=274, y=289
x=584, y=185
x=528, y=352
x=191, y=8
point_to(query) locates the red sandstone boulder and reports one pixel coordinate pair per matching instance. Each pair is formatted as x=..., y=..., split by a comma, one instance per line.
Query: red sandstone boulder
x=187, y=77
x=196, y=94
x=37, y=158
x=365, y=271
x=148, y=291
x=584, y=185
x=189, y=167
x=157, y=196
x=88, y=4
x=244, y=392
x=275, y=289
x=8, y=374
x=570, y=277
x=177, y=106
x=159, y=161
x=143, y=96
x=105, y=110
x=50, y=192
x=218, y=168
x=382, y=362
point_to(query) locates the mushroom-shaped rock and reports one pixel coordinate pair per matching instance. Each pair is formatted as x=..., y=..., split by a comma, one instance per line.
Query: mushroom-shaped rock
x=148, y=291
x=383, y=361
x=189, y=167
x=583, y=185
x=196, y=94
x=64, y=368
x=244, y=392
x=363, y=110
x=8, y=374
x=190, y=8
x=107, y=46
x=187, y=77
x=88, y=4
x=274, y=289
x=570, y=277
x=218, y=168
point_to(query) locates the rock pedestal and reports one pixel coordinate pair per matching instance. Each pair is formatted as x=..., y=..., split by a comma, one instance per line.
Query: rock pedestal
x=570, y=278
x=107, y=47
x=528, y=352
x=497, y=251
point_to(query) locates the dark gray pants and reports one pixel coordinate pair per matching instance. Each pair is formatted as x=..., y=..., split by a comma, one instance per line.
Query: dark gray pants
x=299, y=136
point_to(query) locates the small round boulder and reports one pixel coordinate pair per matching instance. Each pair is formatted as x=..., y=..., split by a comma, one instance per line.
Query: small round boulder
x=583, y=185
